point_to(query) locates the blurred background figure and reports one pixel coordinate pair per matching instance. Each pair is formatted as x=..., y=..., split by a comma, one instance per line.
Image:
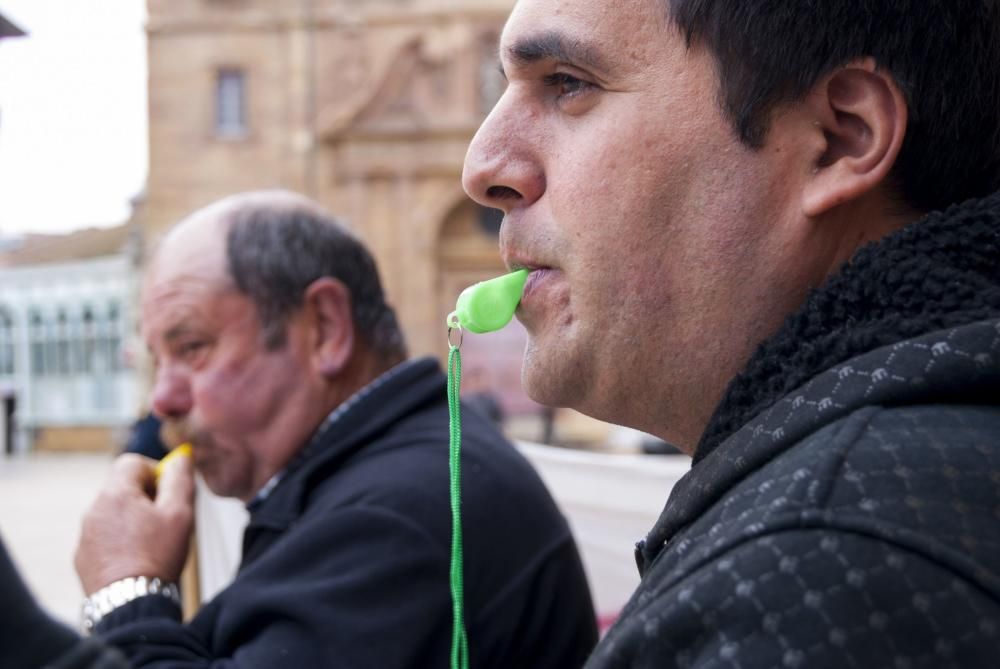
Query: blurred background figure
x=144, y=438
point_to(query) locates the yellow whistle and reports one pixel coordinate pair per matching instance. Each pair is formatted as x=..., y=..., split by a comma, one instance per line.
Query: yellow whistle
x=184, y=450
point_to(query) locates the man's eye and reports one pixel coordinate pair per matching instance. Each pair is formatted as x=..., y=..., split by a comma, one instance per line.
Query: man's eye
x=189, y=349
x=566, y=84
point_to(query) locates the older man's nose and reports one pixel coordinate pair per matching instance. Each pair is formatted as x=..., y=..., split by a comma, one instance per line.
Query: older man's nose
x=171, y=393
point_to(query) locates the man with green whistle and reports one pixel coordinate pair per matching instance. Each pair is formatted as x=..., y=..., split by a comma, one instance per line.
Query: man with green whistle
x=767, y=232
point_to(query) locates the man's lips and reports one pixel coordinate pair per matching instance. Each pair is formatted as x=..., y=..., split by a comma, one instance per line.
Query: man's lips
x=516, y=261
x=533, y=286
x=538, y=270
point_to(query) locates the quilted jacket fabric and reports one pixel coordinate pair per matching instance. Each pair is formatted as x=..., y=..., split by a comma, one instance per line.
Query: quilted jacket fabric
x=844, y=505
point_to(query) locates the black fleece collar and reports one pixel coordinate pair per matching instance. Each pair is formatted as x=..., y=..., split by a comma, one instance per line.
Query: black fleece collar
x=939, y=272
x=912, y=319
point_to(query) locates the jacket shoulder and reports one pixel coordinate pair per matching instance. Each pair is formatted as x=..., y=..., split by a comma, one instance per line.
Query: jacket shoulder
x=807, y=597
x=927, y=478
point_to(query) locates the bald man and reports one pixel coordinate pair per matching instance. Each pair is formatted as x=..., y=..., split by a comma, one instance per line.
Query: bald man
x=279, y=359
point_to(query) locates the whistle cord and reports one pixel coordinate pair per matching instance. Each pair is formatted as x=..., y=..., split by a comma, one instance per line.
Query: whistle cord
x=459, y=640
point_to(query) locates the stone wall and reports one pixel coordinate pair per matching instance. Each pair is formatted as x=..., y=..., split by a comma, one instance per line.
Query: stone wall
x=366, y=106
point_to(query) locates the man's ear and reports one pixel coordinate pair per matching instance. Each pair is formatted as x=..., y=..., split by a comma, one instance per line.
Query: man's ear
x=328, y=305
x=862, y=116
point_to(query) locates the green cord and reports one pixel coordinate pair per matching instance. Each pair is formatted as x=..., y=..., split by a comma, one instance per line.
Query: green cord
x=459, y=641
x=484, y=307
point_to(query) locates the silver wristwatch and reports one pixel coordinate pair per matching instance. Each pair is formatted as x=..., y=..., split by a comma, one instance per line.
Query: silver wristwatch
x=110, y=597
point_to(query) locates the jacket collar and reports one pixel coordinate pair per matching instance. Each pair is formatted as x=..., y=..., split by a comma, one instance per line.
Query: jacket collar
x=940, y=272
x=372, y=412
x=913, y=318
x=960, y=364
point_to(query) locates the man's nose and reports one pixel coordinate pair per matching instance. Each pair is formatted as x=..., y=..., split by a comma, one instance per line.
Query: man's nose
x=503, y=169
x=171, y=393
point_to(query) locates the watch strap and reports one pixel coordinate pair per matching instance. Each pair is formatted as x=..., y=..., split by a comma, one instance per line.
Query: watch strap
x=121, y=592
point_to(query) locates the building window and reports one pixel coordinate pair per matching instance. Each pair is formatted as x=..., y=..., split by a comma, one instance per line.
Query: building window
x=230, y=103
x=114, y=339
x=6, y=343
x=87, y=343
x=37, y=337
x=72, y=343
x=51, y=338
x=64, y=363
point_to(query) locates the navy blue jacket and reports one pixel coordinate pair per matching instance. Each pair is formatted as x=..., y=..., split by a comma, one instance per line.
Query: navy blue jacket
x=346, y=563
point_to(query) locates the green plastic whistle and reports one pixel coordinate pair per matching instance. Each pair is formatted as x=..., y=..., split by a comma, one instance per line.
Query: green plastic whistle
x=489, y=305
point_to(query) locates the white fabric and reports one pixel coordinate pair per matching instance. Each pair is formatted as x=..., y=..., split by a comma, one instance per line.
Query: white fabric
x=611, y=501
x=219, y=524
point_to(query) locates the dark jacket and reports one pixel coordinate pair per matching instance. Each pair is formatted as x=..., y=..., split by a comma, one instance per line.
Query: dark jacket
x=30, y=639
x=144, y=438
x=346, y=563
x=844, y=505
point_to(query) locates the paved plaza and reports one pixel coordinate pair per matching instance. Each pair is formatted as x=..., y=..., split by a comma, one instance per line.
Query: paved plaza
x=42, y=499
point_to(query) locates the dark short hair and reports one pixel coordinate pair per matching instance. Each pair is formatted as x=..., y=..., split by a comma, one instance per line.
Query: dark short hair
x=275, y=251
x=943, y=54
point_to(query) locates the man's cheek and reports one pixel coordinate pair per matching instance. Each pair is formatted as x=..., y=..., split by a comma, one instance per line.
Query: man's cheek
x=219, y=401
x=221, y=419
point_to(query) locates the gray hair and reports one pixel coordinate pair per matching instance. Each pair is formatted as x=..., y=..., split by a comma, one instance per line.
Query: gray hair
x=276, y=249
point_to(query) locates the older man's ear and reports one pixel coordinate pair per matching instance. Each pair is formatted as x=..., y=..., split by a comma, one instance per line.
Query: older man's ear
x=327, y=314
x=859, y=118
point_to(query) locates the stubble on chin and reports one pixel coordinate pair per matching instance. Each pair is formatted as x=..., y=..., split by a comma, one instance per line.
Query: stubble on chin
x=547, y=376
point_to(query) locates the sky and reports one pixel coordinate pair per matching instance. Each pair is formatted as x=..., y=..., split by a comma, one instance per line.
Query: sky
x=73, y=139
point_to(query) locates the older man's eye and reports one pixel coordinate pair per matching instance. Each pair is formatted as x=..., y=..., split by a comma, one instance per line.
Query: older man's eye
x=566, y=84
x=190, y=349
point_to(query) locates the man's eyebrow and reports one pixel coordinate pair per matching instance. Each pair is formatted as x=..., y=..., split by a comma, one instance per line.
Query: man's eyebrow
x=551, y=45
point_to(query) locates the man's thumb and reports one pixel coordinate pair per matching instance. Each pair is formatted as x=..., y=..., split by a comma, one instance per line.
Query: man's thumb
x=175, y=486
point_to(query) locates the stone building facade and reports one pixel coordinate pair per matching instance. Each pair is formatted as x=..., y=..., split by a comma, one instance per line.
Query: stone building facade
x=365, y=105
